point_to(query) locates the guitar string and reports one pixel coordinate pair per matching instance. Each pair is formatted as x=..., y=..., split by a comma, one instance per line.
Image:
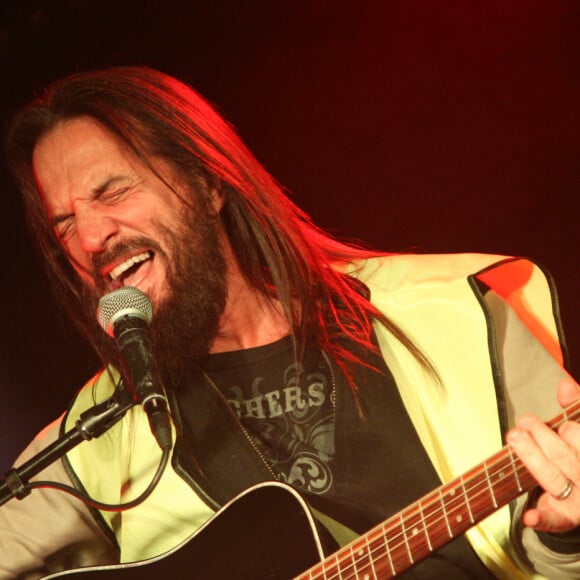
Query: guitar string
x=499, y=463
x=502, y=460
x=350, y=562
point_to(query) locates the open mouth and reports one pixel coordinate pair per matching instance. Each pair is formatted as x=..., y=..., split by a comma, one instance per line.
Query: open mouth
x=126, y=272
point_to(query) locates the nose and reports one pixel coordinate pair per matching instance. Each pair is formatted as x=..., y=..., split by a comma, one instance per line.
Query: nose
x=94, y=230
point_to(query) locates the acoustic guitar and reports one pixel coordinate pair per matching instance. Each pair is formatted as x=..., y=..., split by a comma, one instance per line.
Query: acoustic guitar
x=248, y=537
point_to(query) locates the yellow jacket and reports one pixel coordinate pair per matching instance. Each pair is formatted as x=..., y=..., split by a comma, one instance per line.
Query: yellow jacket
x=454, y=309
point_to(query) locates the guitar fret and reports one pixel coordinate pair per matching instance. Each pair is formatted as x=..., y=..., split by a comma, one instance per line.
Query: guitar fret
x=405, y=538
x=515, y=469
x=371, y=557
x=425, y=529
x=489, y=485
x=442, y=501
x=467, y=503
x=388, y=550
x=337, y=560
x=355, y=558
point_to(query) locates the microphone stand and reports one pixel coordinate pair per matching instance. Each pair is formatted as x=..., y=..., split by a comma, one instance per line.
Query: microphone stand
x=92, y=423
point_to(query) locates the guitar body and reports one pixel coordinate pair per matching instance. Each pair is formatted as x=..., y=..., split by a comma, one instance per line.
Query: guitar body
x=249, y=538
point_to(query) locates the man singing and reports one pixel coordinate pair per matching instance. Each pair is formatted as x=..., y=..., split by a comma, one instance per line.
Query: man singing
x=362, y=380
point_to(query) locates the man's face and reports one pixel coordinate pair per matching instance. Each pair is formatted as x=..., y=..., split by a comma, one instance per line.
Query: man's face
x=121, y=225
x=103, y=204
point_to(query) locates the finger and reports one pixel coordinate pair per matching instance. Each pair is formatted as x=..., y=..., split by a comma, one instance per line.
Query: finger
x=548, y=458
x=568, y=392
x=570, y=433
x=557, y=449
x=547, y=517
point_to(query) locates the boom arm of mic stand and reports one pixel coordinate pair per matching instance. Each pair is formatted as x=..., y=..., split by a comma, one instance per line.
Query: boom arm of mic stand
x=92, y=423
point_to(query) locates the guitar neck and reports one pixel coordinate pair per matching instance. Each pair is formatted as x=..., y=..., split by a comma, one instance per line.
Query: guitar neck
x=434, y=520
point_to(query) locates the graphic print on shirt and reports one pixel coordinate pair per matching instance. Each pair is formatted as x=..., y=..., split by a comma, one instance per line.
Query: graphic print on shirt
x=292, y=424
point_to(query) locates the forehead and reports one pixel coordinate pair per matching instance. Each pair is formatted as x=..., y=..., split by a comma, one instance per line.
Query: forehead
x=75, y=156
x=74, y=144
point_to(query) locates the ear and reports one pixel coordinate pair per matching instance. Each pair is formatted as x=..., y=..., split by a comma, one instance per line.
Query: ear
x=217, y=199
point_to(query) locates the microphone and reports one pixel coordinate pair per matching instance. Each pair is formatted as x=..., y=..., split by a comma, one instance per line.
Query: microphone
x=125, y=315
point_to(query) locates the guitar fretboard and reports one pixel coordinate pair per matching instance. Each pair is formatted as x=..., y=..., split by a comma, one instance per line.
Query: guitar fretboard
x=426, y=525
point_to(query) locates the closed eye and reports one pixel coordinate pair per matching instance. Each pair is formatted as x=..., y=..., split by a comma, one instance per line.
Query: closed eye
x=64, y=226
x=113, y=196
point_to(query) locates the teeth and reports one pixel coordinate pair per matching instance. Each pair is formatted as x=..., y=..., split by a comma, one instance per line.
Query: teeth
x=121, y=268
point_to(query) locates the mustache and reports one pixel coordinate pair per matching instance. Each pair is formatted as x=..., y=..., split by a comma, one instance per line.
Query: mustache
x=120, y=249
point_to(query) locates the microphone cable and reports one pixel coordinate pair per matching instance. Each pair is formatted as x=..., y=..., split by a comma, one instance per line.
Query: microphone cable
x=85, y=498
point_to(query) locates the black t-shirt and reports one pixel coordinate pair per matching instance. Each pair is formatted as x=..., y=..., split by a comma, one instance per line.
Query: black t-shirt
x=287, y=407
x=305, y=423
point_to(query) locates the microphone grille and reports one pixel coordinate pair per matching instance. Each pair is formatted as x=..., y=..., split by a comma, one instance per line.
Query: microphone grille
x=124, y=301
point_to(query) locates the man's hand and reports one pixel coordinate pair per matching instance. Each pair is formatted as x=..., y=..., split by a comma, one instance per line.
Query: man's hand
x=553, y=458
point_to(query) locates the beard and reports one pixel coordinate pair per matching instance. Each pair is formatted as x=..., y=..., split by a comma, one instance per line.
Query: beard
x=186, y=320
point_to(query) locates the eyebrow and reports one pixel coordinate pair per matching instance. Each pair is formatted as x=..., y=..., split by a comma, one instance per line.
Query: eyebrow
x=96, y=192
x=113, y=180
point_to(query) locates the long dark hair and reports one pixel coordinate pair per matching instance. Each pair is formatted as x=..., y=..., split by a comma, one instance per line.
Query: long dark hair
x=280, y=251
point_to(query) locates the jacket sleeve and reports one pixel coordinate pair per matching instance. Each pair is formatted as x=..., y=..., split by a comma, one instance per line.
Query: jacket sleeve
x=530, y=376
x=553, y=564
x=49, y=531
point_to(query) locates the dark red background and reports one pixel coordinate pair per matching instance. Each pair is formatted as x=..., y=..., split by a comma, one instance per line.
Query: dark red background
x=436, y=126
